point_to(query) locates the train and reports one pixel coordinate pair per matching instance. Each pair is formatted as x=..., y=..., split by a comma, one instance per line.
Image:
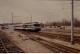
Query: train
x=33, y=26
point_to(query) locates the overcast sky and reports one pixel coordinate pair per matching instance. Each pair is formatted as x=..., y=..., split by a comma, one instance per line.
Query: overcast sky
x=41, y=10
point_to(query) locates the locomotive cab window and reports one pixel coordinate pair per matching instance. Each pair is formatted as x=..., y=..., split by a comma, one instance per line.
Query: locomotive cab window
x=36, y=25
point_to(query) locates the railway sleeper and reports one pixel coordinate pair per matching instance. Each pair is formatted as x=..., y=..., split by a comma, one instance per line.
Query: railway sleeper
x=36, y=38
x=59, y=48
x=2, y=50
x=69, y=49
x=1, y=47
x=52, y=48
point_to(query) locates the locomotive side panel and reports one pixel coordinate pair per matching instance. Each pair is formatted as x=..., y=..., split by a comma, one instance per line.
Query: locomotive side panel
x=29, y=26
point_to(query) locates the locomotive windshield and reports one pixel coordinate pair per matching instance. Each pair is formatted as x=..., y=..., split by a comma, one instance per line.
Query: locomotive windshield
x=36, y=25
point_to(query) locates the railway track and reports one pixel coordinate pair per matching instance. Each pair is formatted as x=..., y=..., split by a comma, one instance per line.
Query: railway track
x=6, y=46
x=2, y=47
x=55, y=47
x=62, y=37
x=77, y=31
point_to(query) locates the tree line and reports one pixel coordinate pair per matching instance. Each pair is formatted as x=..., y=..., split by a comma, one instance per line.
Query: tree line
x=64, y=22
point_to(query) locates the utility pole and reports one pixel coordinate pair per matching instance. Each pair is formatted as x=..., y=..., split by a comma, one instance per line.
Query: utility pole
x=3, y=20
x=31, y=18
x=72, y=24
x=12, y=18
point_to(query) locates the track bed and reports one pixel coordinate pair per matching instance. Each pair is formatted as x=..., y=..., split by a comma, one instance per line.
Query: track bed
x=7, y=46
x=55, y=47
x=62, y=37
